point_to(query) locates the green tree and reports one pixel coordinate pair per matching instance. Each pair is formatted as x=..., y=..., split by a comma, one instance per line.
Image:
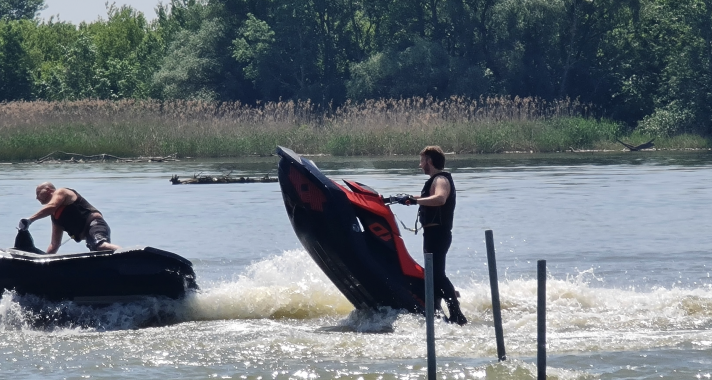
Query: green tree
x=15, y=76
x=253, y=45
x=306, y=51
x=47, y=45
x=198, y=60
x=78, y=79
x=680, y=33
x=20, y=9
x=594, y=48
x=128, y=51
x=390, y=74
x=191, y=69
x=425, y=47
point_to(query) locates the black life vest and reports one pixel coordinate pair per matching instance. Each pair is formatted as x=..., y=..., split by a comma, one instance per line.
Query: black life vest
x=442, y=215
x=74, y=217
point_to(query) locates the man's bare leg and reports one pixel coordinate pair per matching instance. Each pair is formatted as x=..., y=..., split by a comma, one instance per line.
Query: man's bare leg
x=107, y=247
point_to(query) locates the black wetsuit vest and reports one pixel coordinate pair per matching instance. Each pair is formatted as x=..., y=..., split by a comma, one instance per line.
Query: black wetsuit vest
x=74, y=217
x=442, y=215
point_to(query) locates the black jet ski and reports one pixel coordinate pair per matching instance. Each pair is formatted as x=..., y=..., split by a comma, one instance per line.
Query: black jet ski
x=352, y=235
x=97, y=277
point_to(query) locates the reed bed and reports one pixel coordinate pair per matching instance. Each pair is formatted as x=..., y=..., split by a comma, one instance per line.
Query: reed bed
x=133, y=128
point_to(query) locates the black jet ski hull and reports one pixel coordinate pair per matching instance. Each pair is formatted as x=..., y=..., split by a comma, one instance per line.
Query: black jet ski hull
x=97, y=277
x=352, y=236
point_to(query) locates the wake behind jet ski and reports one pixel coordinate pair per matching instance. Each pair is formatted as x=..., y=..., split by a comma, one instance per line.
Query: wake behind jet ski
x=352, y=235
x=96, y=277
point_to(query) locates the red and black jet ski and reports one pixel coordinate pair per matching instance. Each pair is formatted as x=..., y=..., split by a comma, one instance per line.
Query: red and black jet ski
x=352, y=235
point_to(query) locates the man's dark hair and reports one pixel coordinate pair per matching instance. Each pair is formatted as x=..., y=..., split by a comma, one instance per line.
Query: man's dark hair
x=436, y=156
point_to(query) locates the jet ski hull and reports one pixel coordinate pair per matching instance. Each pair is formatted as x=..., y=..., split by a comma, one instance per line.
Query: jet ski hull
x=97, y=277
x=352, y=236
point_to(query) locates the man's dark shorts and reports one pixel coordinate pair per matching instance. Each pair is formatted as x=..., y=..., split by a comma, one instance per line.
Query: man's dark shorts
x=99, y=232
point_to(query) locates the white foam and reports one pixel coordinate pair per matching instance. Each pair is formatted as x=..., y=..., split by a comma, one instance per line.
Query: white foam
x=581, y=315
x=285, y=286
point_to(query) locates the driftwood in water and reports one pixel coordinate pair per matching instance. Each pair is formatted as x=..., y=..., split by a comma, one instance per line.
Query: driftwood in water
x=205, y=179
x=634, y=148
x=58, y=156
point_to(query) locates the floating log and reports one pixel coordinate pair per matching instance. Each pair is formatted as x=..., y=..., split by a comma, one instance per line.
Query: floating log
x=635, y=148
x=206, y=179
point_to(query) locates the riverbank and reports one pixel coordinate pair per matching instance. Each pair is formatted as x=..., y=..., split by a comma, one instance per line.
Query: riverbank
x=31, y=130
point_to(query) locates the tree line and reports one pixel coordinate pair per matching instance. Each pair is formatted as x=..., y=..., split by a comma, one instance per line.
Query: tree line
x=646, y=63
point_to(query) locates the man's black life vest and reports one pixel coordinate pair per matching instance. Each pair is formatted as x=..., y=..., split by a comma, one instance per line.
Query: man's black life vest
x=75, y=217
x=442, y=215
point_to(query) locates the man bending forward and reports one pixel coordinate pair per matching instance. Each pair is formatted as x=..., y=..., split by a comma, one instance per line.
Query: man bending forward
x=73, y=214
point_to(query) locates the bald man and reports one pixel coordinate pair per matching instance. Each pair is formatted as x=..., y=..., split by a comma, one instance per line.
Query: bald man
x=71, y=213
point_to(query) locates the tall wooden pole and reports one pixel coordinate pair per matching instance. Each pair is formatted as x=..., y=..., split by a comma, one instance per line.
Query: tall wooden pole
x=494, y=286
x=541, y=320
x=430, y=315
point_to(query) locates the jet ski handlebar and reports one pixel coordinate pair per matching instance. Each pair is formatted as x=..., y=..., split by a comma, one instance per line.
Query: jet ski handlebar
x=404, y=199
x=389, y=200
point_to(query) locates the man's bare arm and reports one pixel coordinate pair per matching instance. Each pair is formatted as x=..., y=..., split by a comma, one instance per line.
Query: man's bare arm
x=59, y=198
x=56, y=241
x=439, y=191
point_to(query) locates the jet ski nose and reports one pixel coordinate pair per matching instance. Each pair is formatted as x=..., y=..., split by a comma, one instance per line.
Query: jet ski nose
x=25, y=242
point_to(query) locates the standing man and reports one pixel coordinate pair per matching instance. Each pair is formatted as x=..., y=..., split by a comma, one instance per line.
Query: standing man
x=72, y=213
x=436, y=214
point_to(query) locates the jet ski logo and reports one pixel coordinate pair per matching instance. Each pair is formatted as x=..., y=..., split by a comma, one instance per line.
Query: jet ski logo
x=380, y=231
x=308, y=192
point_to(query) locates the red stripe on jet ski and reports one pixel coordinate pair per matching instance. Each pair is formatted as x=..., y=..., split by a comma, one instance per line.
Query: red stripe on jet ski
x=308, y=192
x=371, y=201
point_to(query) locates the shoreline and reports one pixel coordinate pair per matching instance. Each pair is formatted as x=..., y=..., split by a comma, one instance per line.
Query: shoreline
x=175, y=158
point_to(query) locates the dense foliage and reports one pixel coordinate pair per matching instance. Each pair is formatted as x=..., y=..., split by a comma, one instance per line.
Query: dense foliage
x=647, y=63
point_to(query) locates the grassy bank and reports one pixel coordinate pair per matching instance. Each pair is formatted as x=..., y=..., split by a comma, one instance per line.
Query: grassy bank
x=30, y=130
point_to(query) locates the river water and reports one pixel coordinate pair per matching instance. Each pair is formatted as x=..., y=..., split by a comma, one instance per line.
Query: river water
x=627, y=238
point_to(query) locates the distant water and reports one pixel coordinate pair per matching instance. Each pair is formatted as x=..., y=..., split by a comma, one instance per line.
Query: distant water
x=627, y=239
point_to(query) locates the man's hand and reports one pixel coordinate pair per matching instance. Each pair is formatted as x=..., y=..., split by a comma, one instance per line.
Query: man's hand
x=24, y=224
x=406, y=199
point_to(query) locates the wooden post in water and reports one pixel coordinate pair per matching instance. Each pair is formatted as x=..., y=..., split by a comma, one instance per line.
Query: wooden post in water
x=430, y=315
x=494, y=286
x=541, y=320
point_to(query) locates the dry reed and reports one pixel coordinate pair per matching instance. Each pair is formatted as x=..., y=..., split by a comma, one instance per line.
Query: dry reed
x=201, y=129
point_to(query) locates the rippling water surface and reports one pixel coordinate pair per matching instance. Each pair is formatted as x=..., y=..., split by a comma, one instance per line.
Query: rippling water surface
x=627, y=239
